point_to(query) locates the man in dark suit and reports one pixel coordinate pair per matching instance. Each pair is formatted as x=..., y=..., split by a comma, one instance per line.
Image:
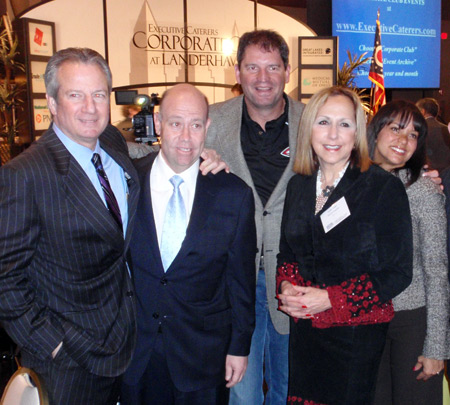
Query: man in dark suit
x=196, y=298
x=438, y=138
x=66, y=295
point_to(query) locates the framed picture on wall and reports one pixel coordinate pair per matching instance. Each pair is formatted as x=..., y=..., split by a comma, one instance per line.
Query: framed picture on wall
x=313, y=80
x=37, y=76
x=41, y=114
x=317, y=65
x=40, y=37
x=40, y=46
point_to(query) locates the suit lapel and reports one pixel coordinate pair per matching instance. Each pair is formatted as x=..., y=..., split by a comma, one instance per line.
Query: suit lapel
x=201, y=209
x=144, y=237
x=294, y=120
x=124, y=161
x=80, y=192
x=232, y=144
x=199, y=214
x=345, y=184
x=204, y=192
x=145, y=212
x=309, y=195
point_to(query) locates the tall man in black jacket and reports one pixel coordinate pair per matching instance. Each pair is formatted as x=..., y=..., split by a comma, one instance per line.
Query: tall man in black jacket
x=66, y=295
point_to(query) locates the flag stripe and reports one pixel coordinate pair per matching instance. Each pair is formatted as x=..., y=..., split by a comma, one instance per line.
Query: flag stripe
x=376, y=71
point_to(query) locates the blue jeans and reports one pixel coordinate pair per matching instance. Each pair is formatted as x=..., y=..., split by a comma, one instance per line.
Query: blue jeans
x=268, y=352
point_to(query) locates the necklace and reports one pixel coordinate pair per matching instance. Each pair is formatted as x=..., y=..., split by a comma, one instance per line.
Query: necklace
x=328, y=190
x=323, y=194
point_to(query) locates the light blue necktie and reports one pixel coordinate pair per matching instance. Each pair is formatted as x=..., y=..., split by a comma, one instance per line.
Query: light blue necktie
x=174, y=226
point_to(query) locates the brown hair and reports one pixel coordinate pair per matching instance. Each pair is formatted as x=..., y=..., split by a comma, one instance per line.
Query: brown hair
x=267, y=40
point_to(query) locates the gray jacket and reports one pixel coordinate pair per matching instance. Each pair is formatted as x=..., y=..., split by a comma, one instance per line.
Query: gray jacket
x=224, y=135
x=429, y=286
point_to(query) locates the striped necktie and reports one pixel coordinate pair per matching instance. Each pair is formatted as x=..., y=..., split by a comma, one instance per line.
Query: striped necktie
x=111, y=201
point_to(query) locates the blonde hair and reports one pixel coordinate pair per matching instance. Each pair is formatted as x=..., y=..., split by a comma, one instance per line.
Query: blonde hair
x=305, y=158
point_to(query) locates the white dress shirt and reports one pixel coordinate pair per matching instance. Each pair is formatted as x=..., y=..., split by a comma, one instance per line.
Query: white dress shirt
x=161, y=189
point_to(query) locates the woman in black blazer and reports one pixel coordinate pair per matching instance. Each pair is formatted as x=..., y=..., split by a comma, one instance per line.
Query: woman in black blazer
x=345, y=252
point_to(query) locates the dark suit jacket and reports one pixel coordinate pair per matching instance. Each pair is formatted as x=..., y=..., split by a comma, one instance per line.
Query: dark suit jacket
x=438, y=144
x=204, y=303
x=375, y=239
x=63, y=274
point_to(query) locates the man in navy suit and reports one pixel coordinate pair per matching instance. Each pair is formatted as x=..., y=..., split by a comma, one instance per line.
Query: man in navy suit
x=66, y=295
x=196, y=310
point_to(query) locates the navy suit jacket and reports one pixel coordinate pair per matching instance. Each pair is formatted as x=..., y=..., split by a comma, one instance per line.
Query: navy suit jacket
x=63, y=273
x=204, y=303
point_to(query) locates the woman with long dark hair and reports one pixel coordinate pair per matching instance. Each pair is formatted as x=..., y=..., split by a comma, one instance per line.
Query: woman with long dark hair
x=413, y=358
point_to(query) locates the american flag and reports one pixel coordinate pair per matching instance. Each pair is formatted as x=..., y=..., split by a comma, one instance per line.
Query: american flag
x=378, y=94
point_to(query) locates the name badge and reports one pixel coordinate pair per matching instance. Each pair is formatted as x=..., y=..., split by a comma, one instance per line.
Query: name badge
x=334, y=215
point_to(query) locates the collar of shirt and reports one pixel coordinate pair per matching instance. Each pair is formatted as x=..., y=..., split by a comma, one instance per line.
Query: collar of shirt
x=266, y=152
x=161, y=173
x=82, y=154
x=161, y=189
x=113, y=170
x=274, y=126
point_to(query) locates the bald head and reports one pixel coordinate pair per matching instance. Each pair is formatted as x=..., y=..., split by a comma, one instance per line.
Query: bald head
x=182, y=123
x=184, y=90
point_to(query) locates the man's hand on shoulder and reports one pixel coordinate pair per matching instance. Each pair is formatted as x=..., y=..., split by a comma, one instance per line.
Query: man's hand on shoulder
x=433, y=175
x=235, y=367
x=212, y=162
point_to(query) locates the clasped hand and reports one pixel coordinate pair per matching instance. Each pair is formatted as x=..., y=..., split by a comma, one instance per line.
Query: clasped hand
x=302, y=302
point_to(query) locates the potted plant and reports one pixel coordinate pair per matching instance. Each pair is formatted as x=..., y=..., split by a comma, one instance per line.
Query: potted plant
x=347, y=75
x=10, y=89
